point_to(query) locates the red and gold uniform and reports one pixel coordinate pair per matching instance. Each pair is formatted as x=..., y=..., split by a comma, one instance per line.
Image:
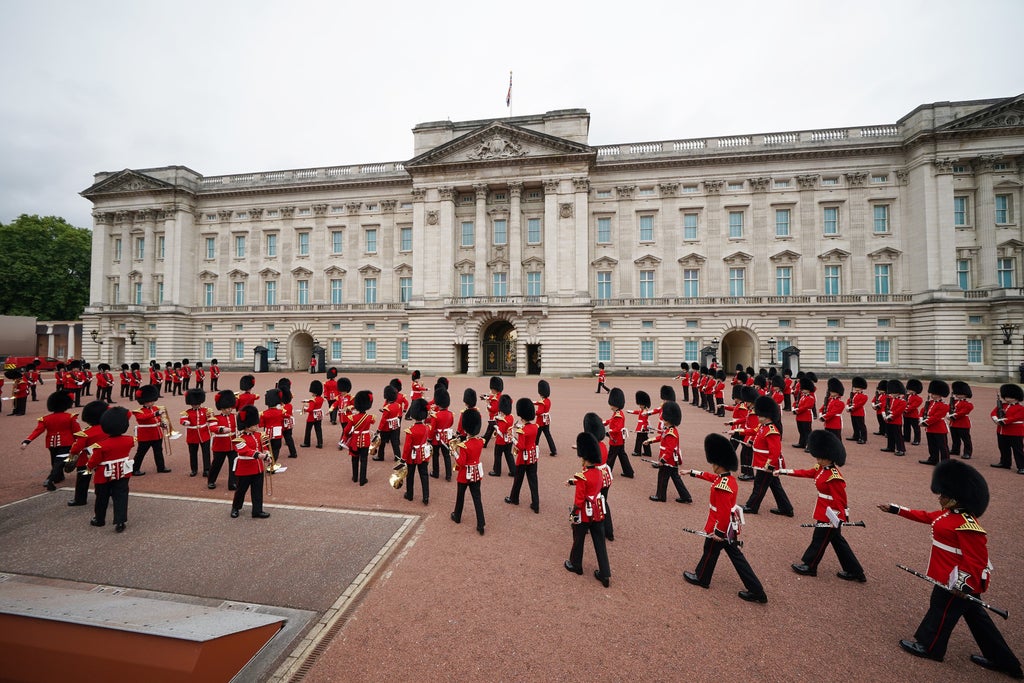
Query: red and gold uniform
x=896, y=405
x=111, y=464
x=225, y=430
x=526, y=465
x=250, y=448
x=936, y=430
x=272, y=423
x=504, y=438
x=390, y=429
x=832, y=416
x=416, y=453
x=314, y=407
x=543, y=406
x=441, y=423
x=912, y=417
x=642, y=430
x=1010, y=434
x=669, y=459
x=214, y=376
x=79, y=455
x=198, y=434
x=804, y=414
x=60, y=428
x=855, y=405
x=149, y=435
x=960, y=427
x=587, y=516
x=469, y=473
x=616, y=429
x=356, y=436
x=831, y=486
x=767, y=448
x=246, y=398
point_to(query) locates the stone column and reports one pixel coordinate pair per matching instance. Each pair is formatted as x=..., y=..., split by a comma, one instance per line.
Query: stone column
x=581, y=231
x=762, y=238
x=810, y=238
x=49, y=341
x=985, y=222
x=716, y=283
x=426, y=248
x=71, y=340
x=552, y=233
x=480, y=241
x=515, y=240
x=146, y=218
x=626, y=239
x=449, y=237
x=99, y=259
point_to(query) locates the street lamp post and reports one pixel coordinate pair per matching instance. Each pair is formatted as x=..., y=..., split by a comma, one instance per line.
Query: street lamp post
x=772, y=341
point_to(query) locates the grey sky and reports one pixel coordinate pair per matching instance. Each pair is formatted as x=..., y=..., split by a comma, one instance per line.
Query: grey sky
x=240, y=86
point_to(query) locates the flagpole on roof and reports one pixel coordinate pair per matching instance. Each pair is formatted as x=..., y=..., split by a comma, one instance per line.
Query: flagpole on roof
x=508, y=96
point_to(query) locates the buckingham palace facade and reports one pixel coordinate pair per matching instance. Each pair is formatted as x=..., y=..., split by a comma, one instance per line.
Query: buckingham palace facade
x=513, y=246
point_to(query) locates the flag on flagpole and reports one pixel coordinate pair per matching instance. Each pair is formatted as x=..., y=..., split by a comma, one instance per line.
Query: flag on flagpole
x=508, y=97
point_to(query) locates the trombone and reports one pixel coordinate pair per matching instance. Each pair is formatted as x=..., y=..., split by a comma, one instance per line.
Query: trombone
x=165, y=429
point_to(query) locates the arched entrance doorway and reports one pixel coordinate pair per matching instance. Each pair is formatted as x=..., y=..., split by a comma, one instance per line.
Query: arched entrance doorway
x=737, y=348
x=499, y=348
x=300, y=350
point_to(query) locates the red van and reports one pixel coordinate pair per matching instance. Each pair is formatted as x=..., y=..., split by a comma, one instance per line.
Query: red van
x=17, y=362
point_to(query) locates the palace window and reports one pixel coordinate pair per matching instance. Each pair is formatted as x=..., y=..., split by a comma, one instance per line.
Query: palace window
x=1005, y=268
x=466, y=285
x=963, y=273
x=604, y=285
x=691, y=282
x=881, y=218
x=303, y=248
x=533, y=231
x=500, y=232
x=371, y=240
x=271, y=245
x=271, y=292
x=467, y=234
x=833, y=280
x=208, y=349
x=159, y=292
x=239, y=293
x=1004, y=209
x=783, y=280
x=782, y=220
x=499, y=284
x=533, y=285
x=336, y=349
x=974, y=351
x=646, y=284
x=405, y=238
x=647, y=351
x=208, y=294
x=830, y=220
x=370, y=349
x=239, y=349
x=211, y=248
x=239, y=246
x=161, y=247
x=336, y=291
x=405, y=289
x=137, y=293
x=370, y=290
x=403, y=350
x=604, y=350
x=689, y=226
x=302, y=292
x=690, y=351
x=882, y=351
x=140, y=248
x=647, y=228
x=736, y=277
x=833, y=350
x=735, y=224
x=604, y=230
x=961, y=206
x=882, y=278
x=337, y=242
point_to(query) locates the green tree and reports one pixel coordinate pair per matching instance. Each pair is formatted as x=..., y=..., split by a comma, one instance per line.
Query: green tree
x=44, y=268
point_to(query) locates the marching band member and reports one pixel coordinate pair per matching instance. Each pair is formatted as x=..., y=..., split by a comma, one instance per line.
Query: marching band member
x=418, y=389
x=169, y=376
x=895, y=406
x=247, y=397
x=600, y=379
x=912, y=414
x=684, y=380
x=60, y=427
x=960, y=408
x=831, y=509
x=526, y=455
x=669, y=457
x=878, y=403
x=503, y=438
x=587, y=512
x=250, y=452
x=314, y=409
x=125, y=381
x=416, y=451
x=225, y=430
x=214, y=374
x=356, y=434
x=111, y=464
x=284, y=385
x=19, y=392
x=150, y=422
x=135, y=380
x=543, y=407
x=832, y=414
x=743, y=432
x=196, y=421
x=331, y=394
x=441, y=432
x=200, y=375
x=722, y=506
x=492, y=400
x=469, y=401
x=104, y=383
x=156, y=377
x=593, y=425
x=933, y=419
x=390, y=427
x=959, y=563
x=1008, y=415
x=616, y=427
x=176, y=379
x=403, y=402
x=186, y=374
x=767, y=449
x=855, y=406
x=803, y=411
x=342, y=406
x=78, y=457
x=468, y=467
x=272, y=421
x=643, y=415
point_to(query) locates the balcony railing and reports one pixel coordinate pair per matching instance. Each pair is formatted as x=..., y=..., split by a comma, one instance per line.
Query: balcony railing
x=471, y=301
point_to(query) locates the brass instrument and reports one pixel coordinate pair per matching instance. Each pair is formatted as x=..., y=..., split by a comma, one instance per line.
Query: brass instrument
x=166, y=429
x=398, y=475
x=374, y=445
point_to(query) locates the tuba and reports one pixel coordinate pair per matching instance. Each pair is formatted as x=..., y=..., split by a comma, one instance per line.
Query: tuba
x=398, y=475
x=374, y=445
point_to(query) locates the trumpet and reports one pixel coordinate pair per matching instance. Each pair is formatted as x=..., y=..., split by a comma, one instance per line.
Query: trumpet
x=374, y=445
x=166, y=429
x=398, y=475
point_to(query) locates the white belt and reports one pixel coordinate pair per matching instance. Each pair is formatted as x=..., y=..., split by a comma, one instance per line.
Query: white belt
x=761, y=450
x=713, y=508
x=825, y=496
x=947, y=548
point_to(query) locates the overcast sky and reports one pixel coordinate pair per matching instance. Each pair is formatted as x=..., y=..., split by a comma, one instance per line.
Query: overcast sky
x=256, y=85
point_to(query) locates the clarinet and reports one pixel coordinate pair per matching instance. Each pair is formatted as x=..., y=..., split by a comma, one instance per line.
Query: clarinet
x=924, y=412
x=1000, y=410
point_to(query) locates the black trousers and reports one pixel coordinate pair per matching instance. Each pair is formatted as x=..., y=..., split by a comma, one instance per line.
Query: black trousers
x=530, y=473
x=32, y=390
x=460, y=499
x=319, y=427
x=58, y=456
x=410, y=481
x=193, y=456
x=696, y=396
x=938, y=447
x=609, y=527
x=803, y=430
x=882, y=431
x=19, y=406
x=787, y=401
x=666, y=472
x=944, y=611
x=545, y=431
x=289, y=440
x=579, y=536
x=911, y=425
x=860, y=430
x=504, y=453
x=824, y=536
x=105, y=394
x=253, y=482
x=640, y=438
x=708, y=561
x=491, y=426
x=961, y=435
x=168, y=388
x=157, y=447
x=116, y=490
x=359, y=458
x=619, y=452
x=213, y=383
x=602, y=386
x=762, y=482
x=686, y=393
x=746, y=459
x=894, y=435
x=390, y=437
x=1010, y=446
x=442, y=452
x=218, y=462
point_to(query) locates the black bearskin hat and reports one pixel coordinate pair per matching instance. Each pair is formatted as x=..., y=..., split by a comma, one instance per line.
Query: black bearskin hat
x=765, y=406
x=718, y=451
x=418, y=410
x=824, y=444
x=344, y=385
x=811, y=376
x=284, y=383
x=59, y=401
x=496, y=384
x=859, y=383
x=184, y=361
x=12, y=374
x=362, y=401
x=749, y=394
x=667, y=393
x=442, y=380
x=964, y=484
x=246, y=382
x=914, y=385
x=588, y=448
x=672, y=414
x=332, y=373
x=136, y=366
x=471, y=422
x=895, y=387
x=739, y=367
x=505, y=404
x=684, y=365
x=199, y=364
x=195, y=397
x=962, y=389
x=469, y=397
x=396, y=383
x=883, y=385
x=1011, y=391
x=806, y=384
x=272, y=398
x=77, y=365
x=416, y=375
x=525, y=409
x=643, y=399
x=177, y=366
x=286, y=395
x=124, y=366
x=616, y=399
x=741, y=377
x=148, y=393
x=225, y=399
x=761, y=381
x=737, y=392
x=778, y=382
x=600, y=366
x=103, y=367
x=543, y=388
x=938, y=387
x=442, y=399
x=248, y=416
x=93, y=411
x=593, y=425
x=316, y=387
x=695, y=365
x=835, y=386
x=390, y=394
x=114, y=421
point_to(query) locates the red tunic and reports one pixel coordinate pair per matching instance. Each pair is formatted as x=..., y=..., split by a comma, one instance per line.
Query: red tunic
x=1012, y=423
x=492, y=405
x=643, y=416
x=895, y=408
x=934, y=420
x=459, y=430
x=958, y=543
x=526, y=444
x=914, y=402
x=314, y=409
x=224, y=432
x=467, y=461
x=669, y=453
x=616, y=425
x=831, y=491
x=417, y=391
x=722, y=501
x=503, y=433
x=543, y=411
x=416, y=450
x=833, y=415
x=960, y=417
x=804, y=407
x=767, y=447
x=588, y=503
x=250, y=447
x=60, y=429
x=356, y=433
x=147, y=424
x=272, y=422
x=114, y=454
x=390, y=417
x=246, y=398
x=92, y=435
x=441, y=431
x=855, y=404
x=197, y=422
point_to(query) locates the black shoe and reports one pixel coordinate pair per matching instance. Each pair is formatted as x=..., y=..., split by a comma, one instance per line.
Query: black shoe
x=535, y=508
x=798, y=445
x=928, y=462
x=434, y=476
x=260, y=515
x=120, y=527
x=986, y=663
x=492, y=473
x=480, y=530
x=234, y=513
x=862, y=442
x=749, y=510
x=918, y=650
x=885, y=450
x=851, y=438
x=211, y=485
x=378, y=459
x=575, y=570
x=745, y=477
x=407, y=496
x=804, y=570
x=684, y=500
x=627, y=476
x=306, y=445
x=878, y=433
x=783, y=513
x=965, y=457
x=609, y=537
x=426, y=501
x=293, y=455
x=850, y=576
x=510, y=501
x=164, y=470
x=915, y=443
x=455, y=519
x=206, y=474
x=362, y=483
x=140, y=473
x=753, y=597
x=603, y=579
x=690, y=577
x=999, y=466
x=49, y=485
x=75, y=503
x=231, y=487
x=656, y=499
x=96, y=522
x=191, y=474
x=900, y=453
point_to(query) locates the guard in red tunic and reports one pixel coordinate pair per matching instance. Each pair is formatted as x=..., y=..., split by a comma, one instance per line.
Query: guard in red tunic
x=912, y=414
x=526, y=455
x=832, y=415
x=331, y=393
x=933, y=419
x=246, y=383
x=284, y=385
x=135, y=380
x=469, y=470
x=469, y=403
x=855, y=404
x=831, y=510
x=169, y=376
x=543, y=407
x=149, y=431
x=356, y=434
x=878, y=403
x=600, y=379
x=19, y=393
x=416, y=451
x=587, y=512
x=492, y=401
x=222, y=444
x=504, y=438
x=643, y=429
x=895, y=406
x=111, y=464
x=417, y=388
x=60, y=427
x=803, y=411
x=669, y=458
x=214, y=374
x=442, y=432
x=341, y=409
x=401, y=399
x=390, y=427
x=617, y=432
x=1008, y=415
x=723, y=520
x=314, y=409
x=593, y=425
x=199, y=374
x=251, y=450
x=186, y=374
x=125, y=381
x=684, y=380
x=959, y=561
x=104, y=383
x=272, y=421
x=197, y=423
x=156, y=376
x=78, y=458
x=960, y=408
x=34, y=377
x=767, y=448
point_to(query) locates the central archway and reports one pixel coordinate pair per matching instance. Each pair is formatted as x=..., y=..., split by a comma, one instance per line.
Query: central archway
x=300, y=350
x=499, y=348
x=737, y=349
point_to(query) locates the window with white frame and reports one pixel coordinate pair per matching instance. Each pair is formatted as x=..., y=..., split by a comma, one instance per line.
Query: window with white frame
x=499, y=284
x=405, y=289
x=208, y=349
x=302, y=292
x=271, y=349
x=691, y=282
x=336, y=349
x=647, y=228
x=239, y=349
x=974, y=351
x=689, y=226
x=140, y=248
x=271, y=245
x=533, y=284
x=371, y=240
x=961, y=208
x=604, y=230
x=736, y=277
x=604, y=285
x=370, y=349
x=884, y=322
x=466, y=285
x=830, y=220
x=604, y=350
x=337, y=242
x=646, y=284
x=270, y=288
x=963, y=273
x=239, y=292
x=883, y=277
x=137, y=293
x=880, y=214
x=405, y=238
x=117, y=249
x=533, y=231
x=160, y=292
x=467, y=234
x=735, y=224
x=782, y=222
x=500, y=231
x=161, y=247
x=1004, y=209
x=403, y=350
x=647, y=350
x=690, y=351
x=783, y=280
x=115, y=293
x=370, y=290
x=211, y=248
x=208, y=294
x=152, y=348
x=883, y=351
x=1005, y=275
x=239, y=246
x=832, y=322
x=833, y=350
x=833, y=280
x=337, y=290
x=303, y=245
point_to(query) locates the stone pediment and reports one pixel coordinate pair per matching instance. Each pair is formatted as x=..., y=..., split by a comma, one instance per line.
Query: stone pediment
x=692, y=259
x=885, y=253
x=270, y=273
x=301, y=272
x=1006, y=114
x=647, y=261
x=834, y=255
x=126, y=182
x=605, y=262
x=334, y=270
x=369, y=269
x=738, y=257
x=785, y=256
x=499, y=142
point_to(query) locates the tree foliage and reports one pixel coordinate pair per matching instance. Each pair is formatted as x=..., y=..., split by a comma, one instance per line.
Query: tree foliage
x=44, y=268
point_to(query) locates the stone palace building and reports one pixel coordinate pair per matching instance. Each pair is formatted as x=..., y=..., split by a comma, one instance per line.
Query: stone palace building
x=513, y=246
